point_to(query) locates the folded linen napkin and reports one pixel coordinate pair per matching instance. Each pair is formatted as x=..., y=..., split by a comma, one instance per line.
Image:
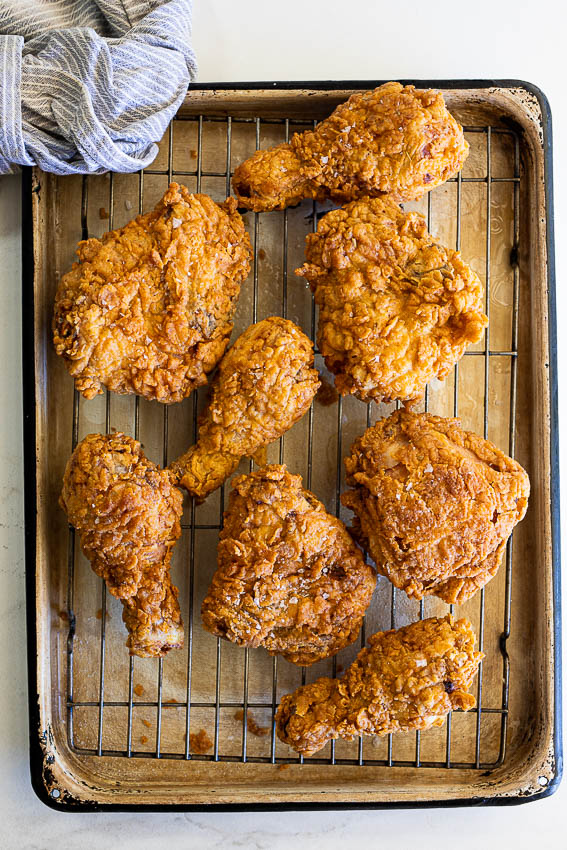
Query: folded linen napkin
x=88, y=86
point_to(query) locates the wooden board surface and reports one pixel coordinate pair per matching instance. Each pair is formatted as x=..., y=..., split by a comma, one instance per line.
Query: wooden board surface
x=495, y=213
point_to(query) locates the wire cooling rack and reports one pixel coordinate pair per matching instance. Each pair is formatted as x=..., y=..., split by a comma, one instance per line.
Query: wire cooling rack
x=102, y=719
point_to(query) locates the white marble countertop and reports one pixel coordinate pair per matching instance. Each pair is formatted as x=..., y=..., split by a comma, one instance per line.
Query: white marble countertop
x=259, y=40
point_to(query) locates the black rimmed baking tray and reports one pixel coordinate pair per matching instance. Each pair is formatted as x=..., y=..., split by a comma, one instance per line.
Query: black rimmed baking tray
x=107, y=731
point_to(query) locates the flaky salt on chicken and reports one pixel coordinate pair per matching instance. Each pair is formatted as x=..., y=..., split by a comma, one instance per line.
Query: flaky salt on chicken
x=434, y=504
x=395, y=140
x=396, y=308
x=289, y=578
x=264, y=385
x=148, y=308
x=127, y=512
x=406, y=679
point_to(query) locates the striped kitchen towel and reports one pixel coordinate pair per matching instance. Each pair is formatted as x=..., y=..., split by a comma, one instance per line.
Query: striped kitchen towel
x=88, y=86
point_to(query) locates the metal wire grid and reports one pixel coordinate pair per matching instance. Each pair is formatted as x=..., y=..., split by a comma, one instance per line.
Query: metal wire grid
x=245, y=704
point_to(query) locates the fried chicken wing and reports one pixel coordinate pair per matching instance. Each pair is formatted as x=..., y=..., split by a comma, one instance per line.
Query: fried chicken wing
x=395, y=140
x=148, y=308
x=289, y=576
x=434, y=504
x=396, y=309
x=127, y=512
x=264, y=385
x=406, y=679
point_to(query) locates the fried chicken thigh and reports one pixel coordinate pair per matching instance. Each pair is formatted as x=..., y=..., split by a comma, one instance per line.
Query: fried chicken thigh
x=434, y=504
x=395, y=140
x=396, y=309
x=127, y=512
x=406, y=679
x=148, y=308
x=264, y=385
x=289, y=576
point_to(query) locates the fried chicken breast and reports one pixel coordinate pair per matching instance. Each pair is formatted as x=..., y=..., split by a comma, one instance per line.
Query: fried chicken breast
x=396, y=308
x=395, y=140
x=148, y=308
x=434, y=504
x=264, y=385
x=406, y=679
x=127, y=512
x=289, y=577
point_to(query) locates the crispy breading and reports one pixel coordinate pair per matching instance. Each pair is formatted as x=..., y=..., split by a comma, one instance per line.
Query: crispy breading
x=435, y=504
x=395, y=140
x=127, y=512
x=289, y=577
x=264, y=384
x=148, y=307
x=406, y=679
x=396, y=309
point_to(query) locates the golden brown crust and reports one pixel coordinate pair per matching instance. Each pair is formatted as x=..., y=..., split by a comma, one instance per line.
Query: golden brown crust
x=395, y=140
x=289, y=576
x=396, y=308
x=264, y=385
x=148, y=308
x=434, y=504
x=127, y=512
x=406, y=679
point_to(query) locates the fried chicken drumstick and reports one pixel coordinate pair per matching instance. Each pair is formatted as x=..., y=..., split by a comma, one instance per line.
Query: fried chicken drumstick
x=264, y=385
x=127, y=512
x=396, y=309
x=406, y=679
x=395, y=140
x=434, y=504
x=289, y=576
x=148, y=307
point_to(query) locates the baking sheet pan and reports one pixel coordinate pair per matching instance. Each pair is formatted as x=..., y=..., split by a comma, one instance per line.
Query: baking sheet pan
x=110, y=731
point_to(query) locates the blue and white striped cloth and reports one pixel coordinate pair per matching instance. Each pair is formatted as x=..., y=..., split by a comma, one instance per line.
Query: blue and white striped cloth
x=88, y=86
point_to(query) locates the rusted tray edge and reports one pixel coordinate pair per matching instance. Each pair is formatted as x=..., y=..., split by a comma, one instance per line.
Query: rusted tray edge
x=44, y=758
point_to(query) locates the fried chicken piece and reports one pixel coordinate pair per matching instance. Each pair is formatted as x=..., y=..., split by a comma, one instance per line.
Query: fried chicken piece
x=264, y=385
x=435, y=504
x=127, y=512
x=148, y=308
x=289, y=577
x=395, y=140
x=406, y=679
x=396, y=308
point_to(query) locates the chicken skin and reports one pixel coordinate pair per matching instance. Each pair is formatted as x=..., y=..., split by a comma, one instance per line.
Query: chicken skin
x=406, y=679
x=434, y=504
x=396, y=309
x=148, y=308
x=264, y=385
x=395, y=140
x=289, y=577
x=127, y=512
